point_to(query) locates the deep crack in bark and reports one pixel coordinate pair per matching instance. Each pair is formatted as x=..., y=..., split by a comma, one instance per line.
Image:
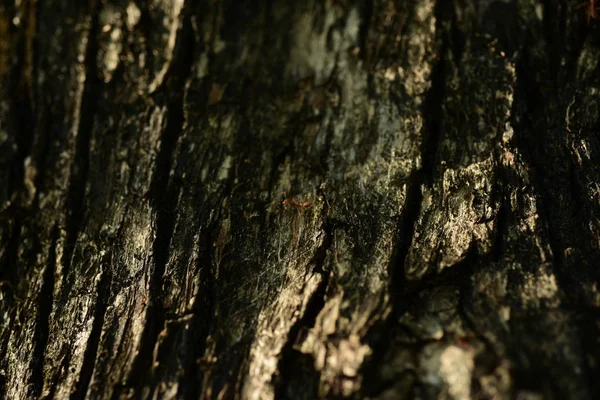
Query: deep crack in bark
x=163, y=199
x=45, y=301
x=91, y=350
x=433, y=114
x=290, y=356
x=75, y=199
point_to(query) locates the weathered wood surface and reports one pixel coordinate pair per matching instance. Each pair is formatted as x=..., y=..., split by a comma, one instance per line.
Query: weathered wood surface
x=441, y=238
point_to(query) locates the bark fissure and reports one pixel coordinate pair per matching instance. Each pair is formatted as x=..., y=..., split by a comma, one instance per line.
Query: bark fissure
x=555, y=18
x=202, y=321
x=401, y=289
x=524, y=130
x=75, y=198
x=8, y=273
x=20, y=125
x=45, y=301
x=433, y=115
x=365, y=26
x=91, y=351
x=499, y=244
x=406, y=227
x=163, y=198
x=457, y=38
x=51, y=391
x=290, y=355
x=22, y=99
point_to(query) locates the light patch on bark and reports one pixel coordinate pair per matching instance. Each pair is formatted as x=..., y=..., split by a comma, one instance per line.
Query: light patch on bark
x=171, y=24
x=447, y=367
x=82, y=310
x=456, y=369
x=540, y=288
x=338, y=361
x=311, y=54
x=273, y=329
x=272, y=334
x=111, y=41
x=465, y=217
x=133, y=15
x=416, y=80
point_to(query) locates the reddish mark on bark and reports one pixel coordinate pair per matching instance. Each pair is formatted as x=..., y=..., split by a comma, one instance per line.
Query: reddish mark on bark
x=464, y=342
x=591, y=9
x=297, y=205
x=207, y=361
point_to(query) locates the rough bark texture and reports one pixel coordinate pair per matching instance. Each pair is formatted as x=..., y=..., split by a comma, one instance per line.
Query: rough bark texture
x=440, y=162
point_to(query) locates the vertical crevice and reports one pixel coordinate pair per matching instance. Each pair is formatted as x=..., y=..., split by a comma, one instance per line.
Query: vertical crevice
x=524, y=88
x=75, y=201
x=21, y=127
x=501, y=225
x=433, y=115
x=434, y=100
x=555, y=18
x=163, y=199
x=8, y=264
x=404, y=237
x=457, y=38
x=553, y=179
x=2, y=383
x=202, y=319
x=363, y=33
x=22, y=102
x=91, y=350
x=290, y=357
x=51, y=391
x=41, y=333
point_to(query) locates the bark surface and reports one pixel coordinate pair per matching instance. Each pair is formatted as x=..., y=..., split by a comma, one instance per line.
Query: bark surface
x=314, y=199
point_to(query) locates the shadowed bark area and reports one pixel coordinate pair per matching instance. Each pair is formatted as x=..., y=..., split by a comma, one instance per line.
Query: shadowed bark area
x=315, y=199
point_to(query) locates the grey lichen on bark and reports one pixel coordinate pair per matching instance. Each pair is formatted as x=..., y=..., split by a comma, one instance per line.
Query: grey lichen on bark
x=327, y=199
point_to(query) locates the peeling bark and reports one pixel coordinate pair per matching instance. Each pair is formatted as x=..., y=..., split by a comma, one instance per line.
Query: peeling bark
x=326, y=199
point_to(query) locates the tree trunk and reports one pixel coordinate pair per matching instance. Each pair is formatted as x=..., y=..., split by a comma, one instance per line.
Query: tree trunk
x=312, y=199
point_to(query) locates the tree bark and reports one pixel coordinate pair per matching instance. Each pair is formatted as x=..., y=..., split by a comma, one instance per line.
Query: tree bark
x=315, y=199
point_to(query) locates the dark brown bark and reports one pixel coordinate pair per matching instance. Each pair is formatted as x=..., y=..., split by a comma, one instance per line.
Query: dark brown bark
x=439, y=159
